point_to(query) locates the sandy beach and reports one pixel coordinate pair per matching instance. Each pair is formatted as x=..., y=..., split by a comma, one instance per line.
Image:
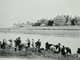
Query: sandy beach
x=24, y=59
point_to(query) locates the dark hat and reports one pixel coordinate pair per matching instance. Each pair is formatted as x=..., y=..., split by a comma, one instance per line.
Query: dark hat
x=18, y=37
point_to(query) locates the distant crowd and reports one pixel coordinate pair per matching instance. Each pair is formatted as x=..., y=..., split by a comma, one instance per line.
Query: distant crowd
x=19, y=46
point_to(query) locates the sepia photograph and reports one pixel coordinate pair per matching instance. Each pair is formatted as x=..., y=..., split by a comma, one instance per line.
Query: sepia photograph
x=39, y=29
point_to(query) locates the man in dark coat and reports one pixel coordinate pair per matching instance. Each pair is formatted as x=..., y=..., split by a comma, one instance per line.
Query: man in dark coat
x=78, y=52
x=28, y=43
x=17, y=43
x=63, y=51
x=47, y=46
x=3, y=45
x=38, y=45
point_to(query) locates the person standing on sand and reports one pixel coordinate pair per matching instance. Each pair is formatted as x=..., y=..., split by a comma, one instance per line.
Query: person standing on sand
x=10, y=42
x=33, y=43
x=28, y=43
x=4, y=44
x=46, y=45
x=38, y=45
x=78, y=52
x=63, y=51
x=17, y=43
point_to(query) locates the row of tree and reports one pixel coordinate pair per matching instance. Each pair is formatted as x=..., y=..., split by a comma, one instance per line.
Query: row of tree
x=66, y=18
x=43, y=22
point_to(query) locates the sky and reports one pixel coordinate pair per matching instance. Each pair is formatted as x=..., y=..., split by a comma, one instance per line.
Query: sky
x=12, y=11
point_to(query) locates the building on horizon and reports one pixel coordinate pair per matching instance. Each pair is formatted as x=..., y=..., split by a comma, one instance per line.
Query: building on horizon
x=62, y=20
x=22, y=25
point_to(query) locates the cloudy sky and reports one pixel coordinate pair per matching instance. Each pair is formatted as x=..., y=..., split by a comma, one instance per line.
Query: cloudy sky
x=12, y=11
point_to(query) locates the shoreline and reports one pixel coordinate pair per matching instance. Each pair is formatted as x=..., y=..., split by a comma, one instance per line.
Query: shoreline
x=58, y=33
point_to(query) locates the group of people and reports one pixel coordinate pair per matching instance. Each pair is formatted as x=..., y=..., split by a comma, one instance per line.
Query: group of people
x=48, y=47
x=58, y=49
x=18, y=45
